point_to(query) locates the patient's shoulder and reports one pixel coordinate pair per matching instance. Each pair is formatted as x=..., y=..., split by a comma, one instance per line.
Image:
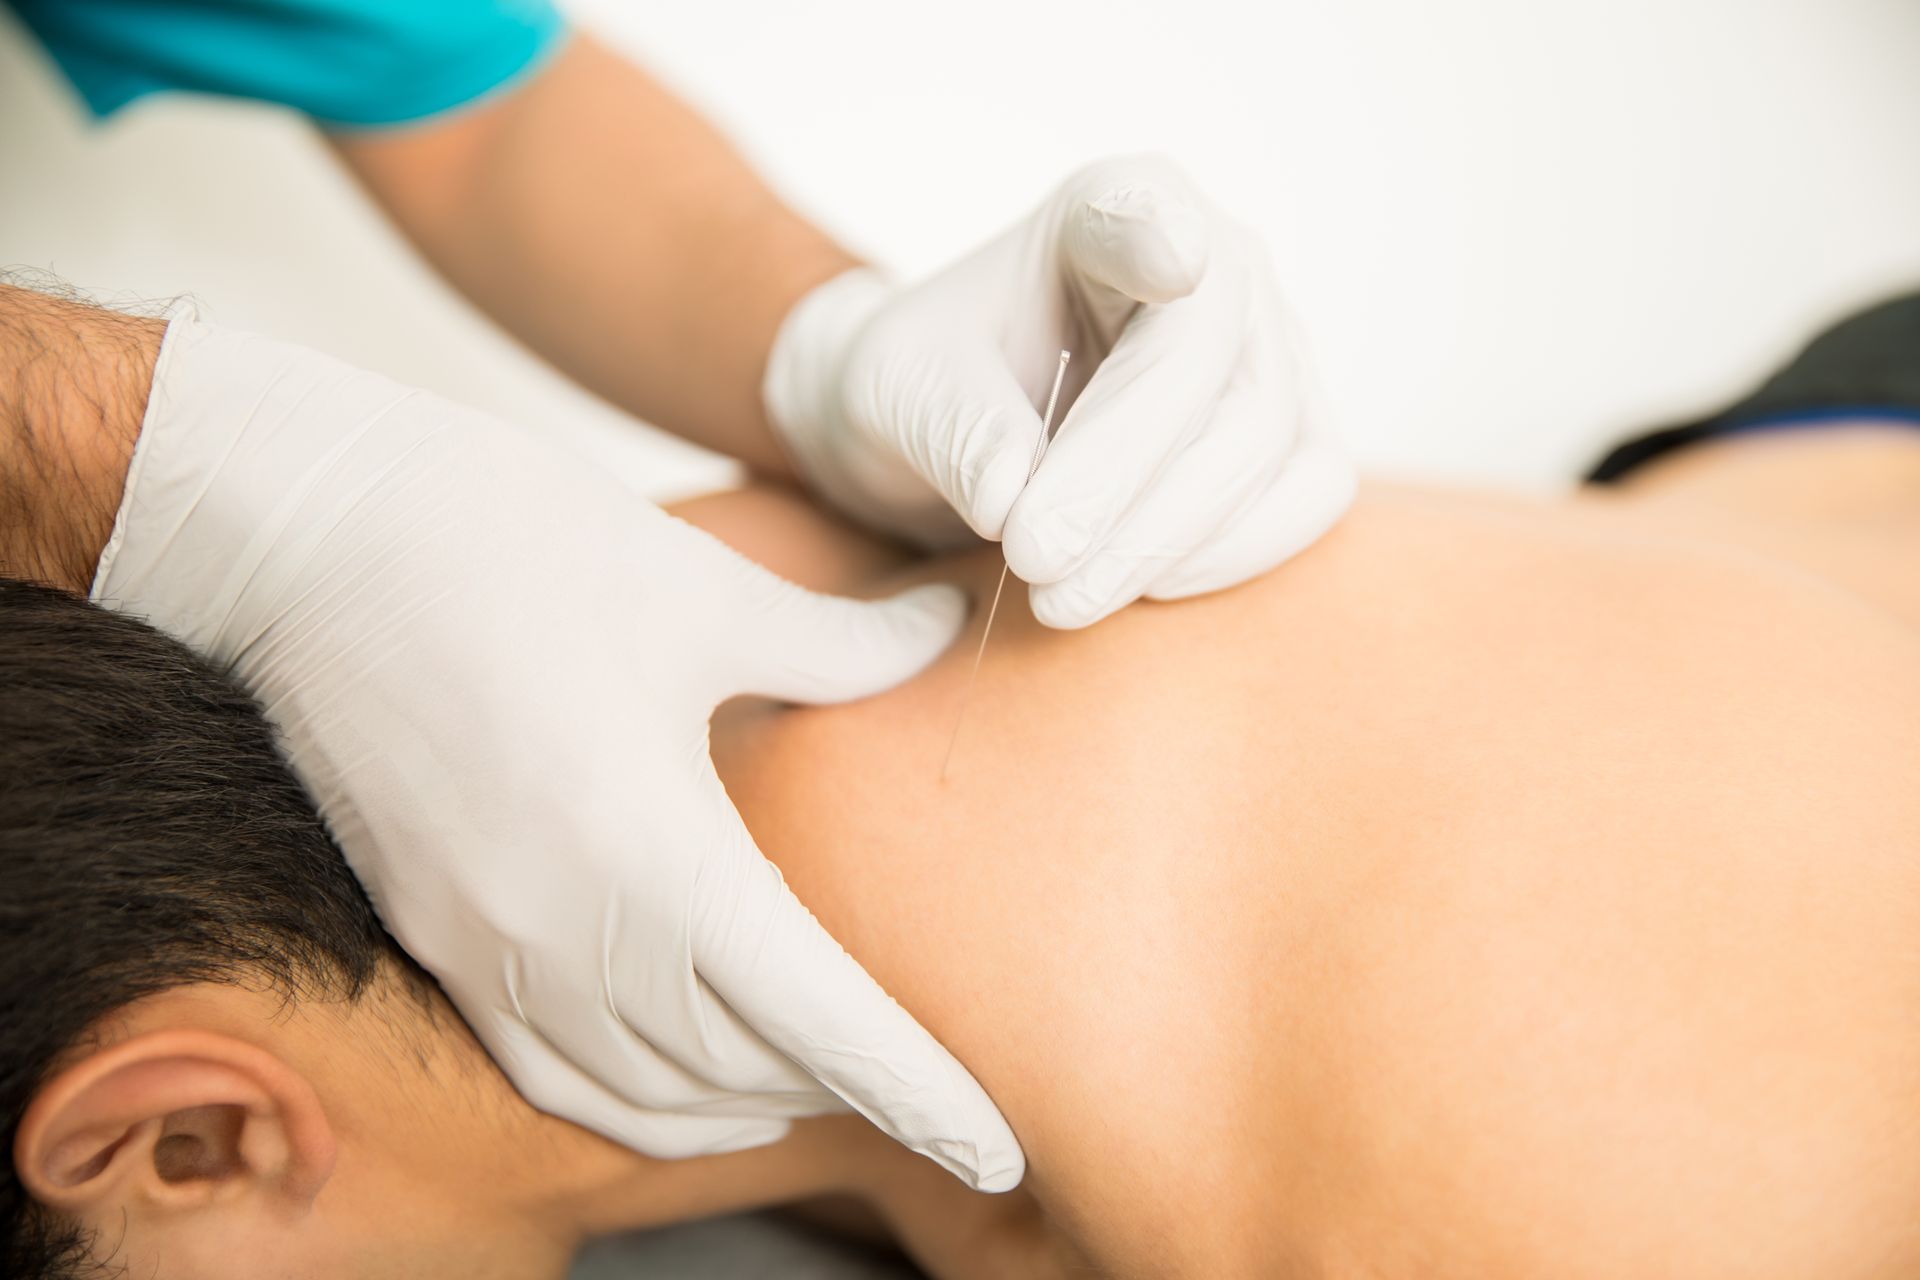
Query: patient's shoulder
x=778, y=527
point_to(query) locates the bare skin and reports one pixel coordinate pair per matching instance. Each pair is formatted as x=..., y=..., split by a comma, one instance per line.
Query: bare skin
x=1504, y=888
x=601, y=221
x=74, y=382
x=588, y=210
x=216, y=1131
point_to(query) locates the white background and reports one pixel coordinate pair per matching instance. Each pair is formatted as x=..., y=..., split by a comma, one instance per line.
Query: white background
x=1514, y=228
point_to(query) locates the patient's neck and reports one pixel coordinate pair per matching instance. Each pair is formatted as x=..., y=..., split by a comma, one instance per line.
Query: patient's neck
x=435, y=1144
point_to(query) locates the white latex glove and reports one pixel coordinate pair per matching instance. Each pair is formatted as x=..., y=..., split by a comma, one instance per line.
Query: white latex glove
x=1193, y=459
x=493, y=667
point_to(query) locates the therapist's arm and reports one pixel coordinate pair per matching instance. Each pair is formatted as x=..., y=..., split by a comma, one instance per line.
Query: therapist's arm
x=74, y=382
x=599, y=219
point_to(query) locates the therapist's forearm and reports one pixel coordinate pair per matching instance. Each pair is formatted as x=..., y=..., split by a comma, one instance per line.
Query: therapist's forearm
x=74, y=381
x=602, y=221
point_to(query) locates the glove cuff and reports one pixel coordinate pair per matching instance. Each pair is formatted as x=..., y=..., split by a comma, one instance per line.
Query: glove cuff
x=159, y=488
x=250, y=448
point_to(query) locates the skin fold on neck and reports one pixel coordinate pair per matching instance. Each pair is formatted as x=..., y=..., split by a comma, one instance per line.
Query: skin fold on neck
x=443, y=1169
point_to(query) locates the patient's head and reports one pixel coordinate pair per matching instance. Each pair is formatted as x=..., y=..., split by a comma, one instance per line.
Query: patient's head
x=215, y=1061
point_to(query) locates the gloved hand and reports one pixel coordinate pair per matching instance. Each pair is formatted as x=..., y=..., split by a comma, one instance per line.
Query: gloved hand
x=1191, y=460
x=493, y=667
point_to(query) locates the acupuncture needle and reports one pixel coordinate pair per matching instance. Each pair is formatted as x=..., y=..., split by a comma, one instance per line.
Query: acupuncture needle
x=1039, y=449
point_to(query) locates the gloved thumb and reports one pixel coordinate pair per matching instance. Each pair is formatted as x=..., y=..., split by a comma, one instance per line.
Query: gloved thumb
x=802, y=646
x=763, y=952
x=1135, y=226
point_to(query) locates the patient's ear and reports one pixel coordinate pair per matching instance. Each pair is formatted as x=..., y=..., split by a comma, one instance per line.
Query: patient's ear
x=173, y=1120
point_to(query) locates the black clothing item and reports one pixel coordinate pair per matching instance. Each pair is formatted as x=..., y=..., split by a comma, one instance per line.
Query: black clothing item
x=1867, y=366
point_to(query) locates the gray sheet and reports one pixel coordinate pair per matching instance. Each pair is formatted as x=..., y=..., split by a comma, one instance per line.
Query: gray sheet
x=748, y=1247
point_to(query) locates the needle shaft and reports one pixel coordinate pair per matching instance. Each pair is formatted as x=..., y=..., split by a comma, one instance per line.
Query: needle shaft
x=993, y=610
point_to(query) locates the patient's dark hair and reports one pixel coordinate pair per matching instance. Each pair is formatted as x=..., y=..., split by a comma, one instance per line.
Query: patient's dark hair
x=150, y=836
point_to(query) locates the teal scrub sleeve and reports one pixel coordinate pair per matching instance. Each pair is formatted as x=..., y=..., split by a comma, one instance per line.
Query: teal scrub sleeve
x=346, y=63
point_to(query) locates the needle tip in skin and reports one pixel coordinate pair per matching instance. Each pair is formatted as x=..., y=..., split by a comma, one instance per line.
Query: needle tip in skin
x=1039, y=449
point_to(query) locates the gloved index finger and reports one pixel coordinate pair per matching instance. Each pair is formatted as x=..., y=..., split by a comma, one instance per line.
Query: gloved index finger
x=549, y=1076
x=1151, y=395
x=757, y=946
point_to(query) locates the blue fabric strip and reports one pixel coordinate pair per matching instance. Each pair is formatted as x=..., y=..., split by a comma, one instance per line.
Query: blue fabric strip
x=1906, y=415
x=345, y=63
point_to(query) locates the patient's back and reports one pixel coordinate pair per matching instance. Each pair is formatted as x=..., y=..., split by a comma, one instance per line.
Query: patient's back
x=1499, y=889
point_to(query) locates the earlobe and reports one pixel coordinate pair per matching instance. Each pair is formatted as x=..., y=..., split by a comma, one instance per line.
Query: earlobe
x=173, y=1118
